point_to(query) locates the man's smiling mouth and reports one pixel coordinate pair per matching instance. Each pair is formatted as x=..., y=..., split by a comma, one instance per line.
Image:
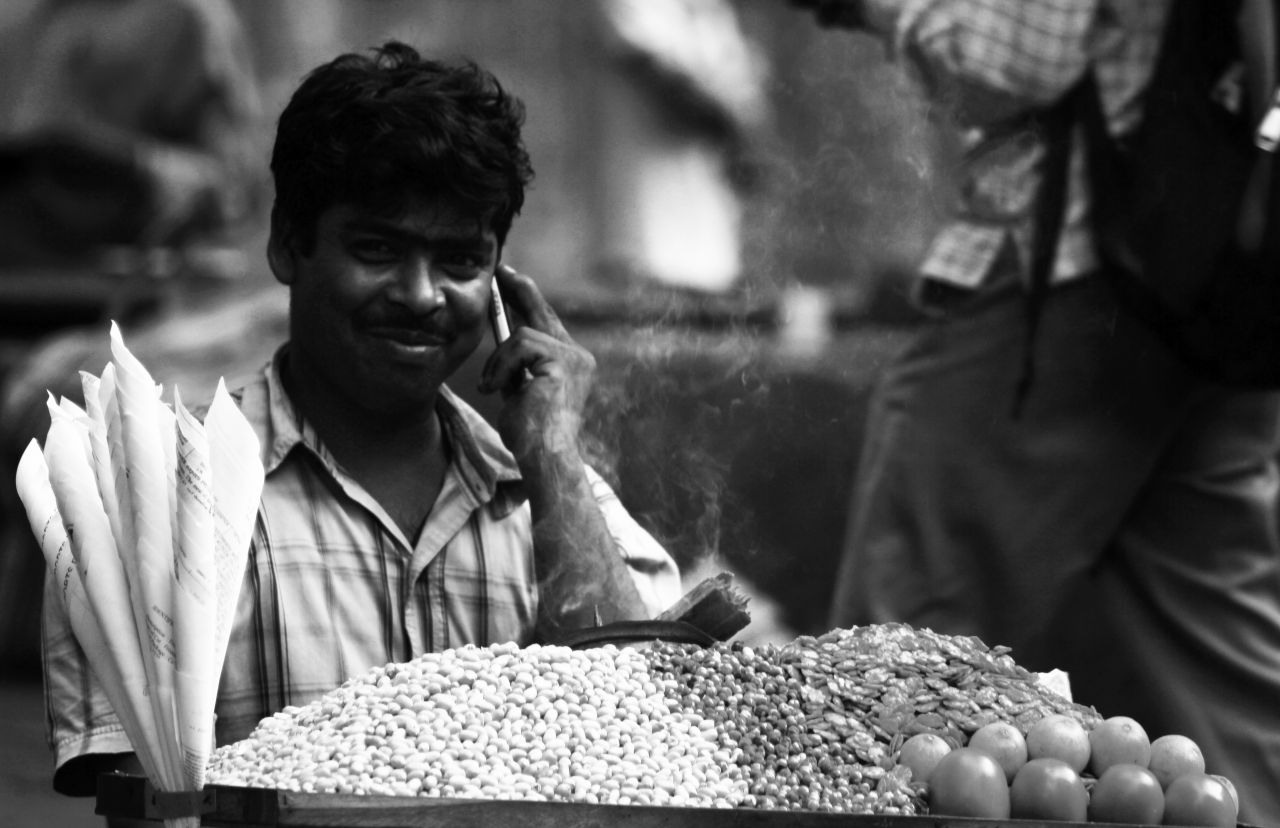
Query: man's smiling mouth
x=407, y=337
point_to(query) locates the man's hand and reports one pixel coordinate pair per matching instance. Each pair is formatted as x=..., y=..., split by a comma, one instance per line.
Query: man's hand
x=544, y=378
x=543, y=375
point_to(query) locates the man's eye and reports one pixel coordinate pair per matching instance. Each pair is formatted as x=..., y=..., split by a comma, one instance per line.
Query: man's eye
x=467, y=261
x=373, y=250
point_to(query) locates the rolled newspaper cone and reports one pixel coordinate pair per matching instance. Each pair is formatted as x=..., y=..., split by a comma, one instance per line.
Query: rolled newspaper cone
x=195, y=600
x=144, y=515
x=107, y=590
x=238, y=475
x=151, y=572
x=93, y=389
x=118, y=669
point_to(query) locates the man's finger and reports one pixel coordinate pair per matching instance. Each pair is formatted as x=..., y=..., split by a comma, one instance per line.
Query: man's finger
x=518, y=360
x=528, y=302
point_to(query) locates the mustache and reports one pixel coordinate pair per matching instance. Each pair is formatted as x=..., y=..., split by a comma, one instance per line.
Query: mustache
x=409, y=330
x=404, y=320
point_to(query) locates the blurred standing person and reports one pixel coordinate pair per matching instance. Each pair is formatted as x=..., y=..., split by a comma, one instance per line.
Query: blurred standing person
x=133, y=126
x=1120, y=525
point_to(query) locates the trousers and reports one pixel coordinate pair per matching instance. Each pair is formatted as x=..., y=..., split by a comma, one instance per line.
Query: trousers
x=1121, y=527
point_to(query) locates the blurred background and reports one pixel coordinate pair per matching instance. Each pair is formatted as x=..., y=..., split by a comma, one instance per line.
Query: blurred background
x=726, y=202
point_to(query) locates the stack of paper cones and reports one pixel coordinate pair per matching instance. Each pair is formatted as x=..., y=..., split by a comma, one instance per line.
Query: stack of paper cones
x=144, y=515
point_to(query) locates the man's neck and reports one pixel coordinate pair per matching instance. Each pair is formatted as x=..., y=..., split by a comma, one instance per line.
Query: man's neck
x=348, y=426
x=399, y=458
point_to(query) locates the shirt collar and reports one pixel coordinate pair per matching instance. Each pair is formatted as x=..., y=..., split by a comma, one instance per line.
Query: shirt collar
x=483, y=463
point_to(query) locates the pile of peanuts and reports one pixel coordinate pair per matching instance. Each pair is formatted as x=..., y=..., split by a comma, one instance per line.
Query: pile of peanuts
x=499, y=722
x=812, y=725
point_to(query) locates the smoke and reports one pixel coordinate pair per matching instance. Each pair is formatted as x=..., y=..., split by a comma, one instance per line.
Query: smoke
x=851, y=178
x=727, y=449
x=663, y=427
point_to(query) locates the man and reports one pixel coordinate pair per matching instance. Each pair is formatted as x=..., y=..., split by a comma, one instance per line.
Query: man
x=394, y=520
x=1122, y=525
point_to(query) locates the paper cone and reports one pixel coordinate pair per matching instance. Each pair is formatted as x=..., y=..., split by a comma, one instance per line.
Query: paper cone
x=120, y=677
x=149, y=486
x=92, y=388
x=110, y=406
x=236, y=460
x=105, y=583
x=144, y=515
x=195, y=608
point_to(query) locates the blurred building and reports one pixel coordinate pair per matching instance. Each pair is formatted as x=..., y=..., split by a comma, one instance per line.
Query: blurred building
x=680, y=98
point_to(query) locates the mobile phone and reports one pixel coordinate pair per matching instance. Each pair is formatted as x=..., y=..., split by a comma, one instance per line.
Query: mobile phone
x=498, y=312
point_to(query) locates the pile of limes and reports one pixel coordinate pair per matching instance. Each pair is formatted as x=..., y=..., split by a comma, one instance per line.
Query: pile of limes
x=1058, y=770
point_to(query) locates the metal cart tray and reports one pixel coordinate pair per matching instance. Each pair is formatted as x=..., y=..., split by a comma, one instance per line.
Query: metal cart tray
x=128, y=796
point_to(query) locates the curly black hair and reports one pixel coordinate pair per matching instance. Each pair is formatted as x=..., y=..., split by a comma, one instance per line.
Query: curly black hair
x=379, y=130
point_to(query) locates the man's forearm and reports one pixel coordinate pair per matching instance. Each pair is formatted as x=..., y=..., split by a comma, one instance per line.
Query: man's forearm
x=580, y=573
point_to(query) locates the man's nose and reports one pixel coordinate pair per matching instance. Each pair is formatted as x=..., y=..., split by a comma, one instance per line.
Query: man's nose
x=416, y=286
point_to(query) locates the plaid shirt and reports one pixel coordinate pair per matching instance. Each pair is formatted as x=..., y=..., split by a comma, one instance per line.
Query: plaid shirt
x=333, y=587
x=998, y=61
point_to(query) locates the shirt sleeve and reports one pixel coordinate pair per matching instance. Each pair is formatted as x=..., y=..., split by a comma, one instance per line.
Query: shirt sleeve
x=653, y=570
x=991, y=59
x=80, y=721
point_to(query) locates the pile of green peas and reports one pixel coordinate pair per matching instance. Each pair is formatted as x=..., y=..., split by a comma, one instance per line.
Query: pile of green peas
x=791, y=759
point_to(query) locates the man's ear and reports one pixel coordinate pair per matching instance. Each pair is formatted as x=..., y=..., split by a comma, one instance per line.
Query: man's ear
x=281, y=258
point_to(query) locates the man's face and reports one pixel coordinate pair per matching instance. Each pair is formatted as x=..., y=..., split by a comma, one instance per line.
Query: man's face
x=384, y=310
